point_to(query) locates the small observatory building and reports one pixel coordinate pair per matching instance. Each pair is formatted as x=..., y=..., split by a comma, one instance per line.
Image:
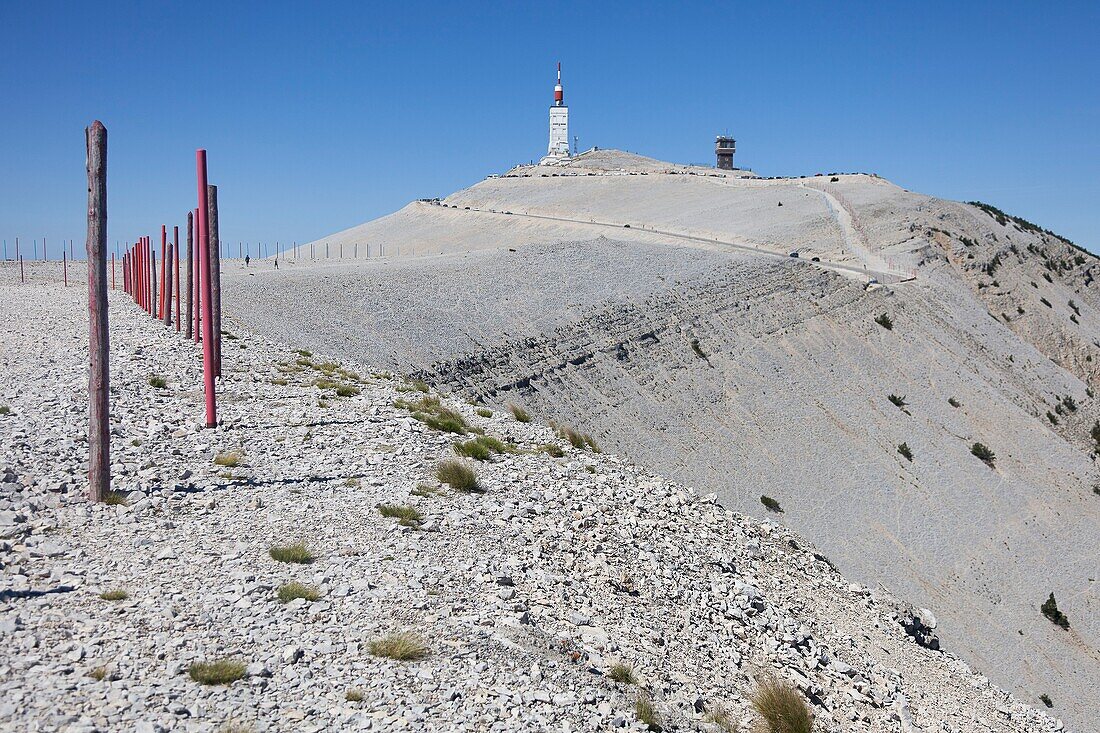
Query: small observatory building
x=724, y=148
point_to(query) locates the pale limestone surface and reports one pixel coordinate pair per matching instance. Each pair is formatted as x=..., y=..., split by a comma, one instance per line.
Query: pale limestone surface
x=525, y=594
x=791, y=397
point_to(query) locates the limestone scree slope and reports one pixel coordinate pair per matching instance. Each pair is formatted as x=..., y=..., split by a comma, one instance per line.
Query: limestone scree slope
x=656, y=308
x=563, y=589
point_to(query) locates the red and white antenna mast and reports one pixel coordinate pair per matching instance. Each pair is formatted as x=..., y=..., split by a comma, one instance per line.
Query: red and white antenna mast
x=559, y=95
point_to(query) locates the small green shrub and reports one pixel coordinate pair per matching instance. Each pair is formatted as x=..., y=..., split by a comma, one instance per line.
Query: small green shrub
x=294, y=590
x=407, y=516
x=1051, y=611
x=346, y=390
x=646, y=712
x=304, y=353
x=158, y=382
x=355, y=696
x=519, y=413
x=983, y=453
x=1046, y=700
x=898, y=401
x=483, y=412
x=623, y=673
x=771, y=504
x=5, y=410
x=457, y=475
x=885, y=321
x=698, y=349
x=402, y=647
x=903, y=449
x=954, y=402
x=781, y=707
x=552, y=450
x=296, y=553
x=114, y=595
x=219, y=672
x=1052, y=418
x=98, y=674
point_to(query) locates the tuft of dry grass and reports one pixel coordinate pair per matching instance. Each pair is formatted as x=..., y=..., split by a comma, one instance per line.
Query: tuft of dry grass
x=407, y=516
x=157, y=382
x=294, y=590
x=781, y=707
x=295, y=553
x=117, y=594
x=484, y=412
x=623, y=673
x=519, y=413
x=218, y=672
x=552, y=450
x=457, y=475
x=98, y=674
x=578, y=439
x=482, y=447
x=231, y=459
x=116, y=498
x=355, y=696
x=402, y=646
x=646, y=712
x=432, y=413
x=722, y=718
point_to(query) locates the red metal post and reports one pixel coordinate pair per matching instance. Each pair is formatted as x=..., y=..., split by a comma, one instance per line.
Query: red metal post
x=176, y=258
x=153, y=310
x=163, y=270
x=196, y=284
x=207, y=300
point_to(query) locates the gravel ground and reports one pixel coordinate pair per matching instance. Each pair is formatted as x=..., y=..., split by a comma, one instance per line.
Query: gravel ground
x=524, y=594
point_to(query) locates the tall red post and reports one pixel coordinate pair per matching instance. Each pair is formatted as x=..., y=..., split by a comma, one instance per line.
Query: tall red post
x=99, y=436
x=163, y=269
x=176, y=267
x=153, y=280
x=207, y=300
x=197, y=283
x=190, y=272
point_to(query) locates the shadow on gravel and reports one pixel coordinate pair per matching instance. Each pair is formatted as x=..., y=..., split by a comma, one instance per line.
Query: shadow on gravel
x=284, y=426
x=8, y=595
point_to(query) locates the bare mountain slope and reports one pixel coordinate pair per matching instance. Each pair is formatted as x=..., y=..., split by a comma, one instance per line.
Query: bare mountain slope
x=748, y=375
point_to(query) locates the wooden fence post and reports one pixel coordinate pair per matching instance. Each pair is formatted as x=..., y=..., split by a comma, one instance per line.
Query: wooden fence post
x=215, y=276
x=204, y=270
x=99, y=434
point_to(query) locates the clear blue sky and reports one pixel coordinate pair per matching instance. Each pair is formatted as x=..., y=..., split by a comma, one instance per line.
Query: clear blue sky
x=319, y=116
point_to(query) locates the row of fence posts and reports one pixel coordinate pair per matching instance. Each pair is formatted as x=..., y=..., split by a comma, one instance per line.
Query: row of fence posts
x=160, y=295
x=243, y=251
